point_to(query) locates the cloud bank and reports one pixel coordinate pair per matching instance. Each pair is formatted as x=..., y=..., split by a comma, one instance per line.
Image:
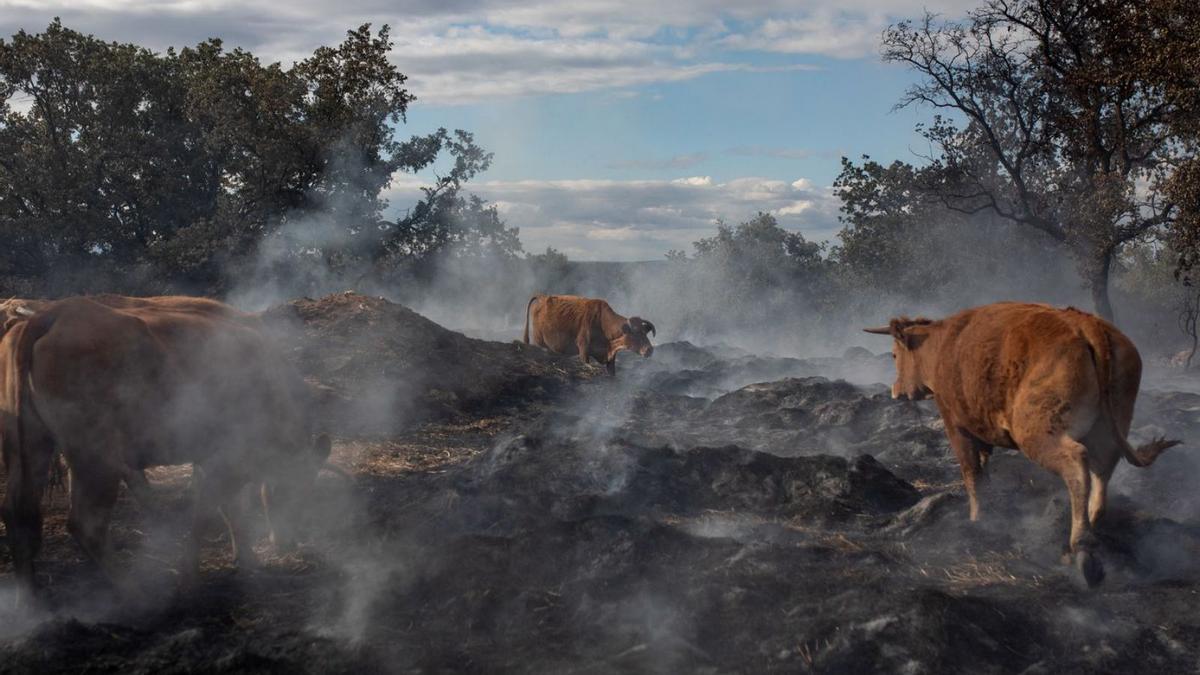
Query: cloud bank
x=642, y=219
x=462, y=51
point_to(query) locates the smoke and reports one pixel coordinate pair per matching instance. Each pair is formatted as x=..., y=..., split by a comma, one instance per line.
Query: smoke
x=565, y=534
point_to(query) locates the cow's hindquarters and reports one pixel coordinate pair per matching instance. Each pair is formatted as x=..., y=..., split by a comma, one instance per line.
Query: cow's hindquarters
x=27, y=451
x=1052, y=417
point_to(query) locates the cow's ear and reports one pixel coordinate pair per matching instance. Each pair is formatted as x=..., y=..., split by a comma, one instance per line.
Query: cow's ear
x=625, y=328
x=322, y=446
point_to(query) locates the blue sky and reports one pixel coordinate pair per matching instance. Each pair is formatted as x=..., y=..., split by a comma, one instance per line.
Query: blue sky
x=621, y=129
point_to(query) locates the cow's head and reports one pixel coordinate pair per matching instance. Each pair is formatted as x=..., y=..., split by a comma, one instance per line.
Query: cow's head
x=908, y=337
x=635, y=336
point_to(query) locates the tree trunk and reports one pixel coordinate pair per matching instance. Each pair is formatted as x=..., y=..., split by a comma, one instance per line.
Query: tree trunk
x=1099, y=285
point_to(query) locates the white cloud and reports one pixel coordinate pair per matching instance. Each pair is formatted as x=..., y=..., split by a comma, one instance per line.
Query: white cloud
x=695, y=181
x=829, y=33
x=643, y=219
x=460, y=51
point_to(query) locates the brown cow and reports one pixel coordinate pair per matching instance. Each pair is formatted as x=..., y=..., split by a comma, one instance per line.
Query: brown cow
x=1058, y=384
x=14, y=310
x=569, y=324
x=120, y=389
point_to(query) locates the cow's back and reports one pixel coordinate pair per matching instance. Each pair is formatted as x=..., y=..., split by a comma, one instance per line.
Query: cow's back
x=558, y=320
x=165, y=386
x=991, y=355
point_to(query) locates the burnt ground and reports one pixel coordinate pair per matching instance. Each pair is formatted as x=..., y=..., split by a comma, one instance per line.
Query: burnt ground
x=706, y=511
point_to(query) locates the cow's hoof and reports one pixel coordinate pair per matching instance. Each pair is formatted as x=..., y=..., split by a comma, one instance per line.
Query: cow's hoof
x=1090, y=567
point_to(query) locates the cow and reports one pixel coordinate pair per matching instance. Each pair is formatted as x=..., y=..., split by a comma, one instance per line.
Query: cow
x=1057, y=384
x=118, y=389
x=15, y=309
x=569, y=324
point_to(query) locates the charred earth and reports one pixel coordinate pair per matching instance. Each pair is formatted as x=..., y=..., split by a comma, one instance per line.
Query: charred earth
x=708, y=510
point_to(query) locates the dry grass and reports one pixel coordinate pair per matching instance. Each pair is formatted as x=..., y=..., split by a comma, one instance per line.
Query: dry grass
x=979, y=571
x=925, y=486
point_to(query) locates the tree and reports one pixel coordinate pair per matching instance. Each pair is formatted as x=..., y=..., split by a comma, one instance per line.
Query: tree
x=889, y=219
x=1174, y=66
x=551, y=264
x=758, y=255
x=1062, y=130
x=444, y=220
x=183, y=164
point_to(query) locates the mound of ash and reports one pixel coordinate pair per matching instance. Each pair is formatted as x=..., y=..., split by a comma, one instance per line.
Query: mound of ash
x=383, y=367
x=529, y=478
x=788, y=417
x=558, y=550
x=683, y=368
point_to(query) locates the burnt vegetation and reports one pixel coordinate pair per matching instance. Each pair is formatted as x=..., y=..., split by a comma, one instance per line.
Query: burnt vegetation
x=749, y=499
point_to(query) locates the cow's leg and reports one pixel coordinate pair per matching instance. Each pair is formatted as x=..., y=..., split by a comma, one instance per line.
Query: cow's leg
x=216, y=485
x=1103, y=456
x=1098, y=496
x=970, y=452
x=234, y=515
x=28, y=474
x=583, y=342
x=1069, y=459
x=264, y=494
x=94, y=488
x=611, y=366
x=189, y=566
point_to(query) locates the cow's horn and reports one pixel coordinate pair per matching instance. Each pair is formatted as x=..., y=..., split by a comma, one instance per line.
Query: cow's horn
x=24, y=311
x=649, y=327
x=881, y=330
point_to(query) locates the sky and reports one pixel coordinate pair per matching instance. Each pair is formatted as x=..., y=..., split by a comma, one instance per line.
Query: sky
x=621, y=128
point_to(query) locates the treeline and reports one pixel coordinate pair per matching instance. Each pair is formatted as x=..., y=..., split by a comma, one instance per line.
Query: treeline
x=1063, y=153
x=1062, y=140
x=125, y=169
x=1076, y=120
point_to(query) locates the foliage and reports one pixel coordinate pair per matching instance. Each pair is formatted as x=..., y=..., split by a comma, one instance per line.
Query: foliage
x=113, y=157
x=759, y=252
x=550, y=264
x=889, y=227
x=753, y=272
x=1064, y=129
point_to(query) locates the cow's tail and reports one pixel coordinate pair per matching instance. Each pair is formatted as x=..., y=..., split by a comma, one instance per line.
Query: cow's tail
x=26, y=454
x=527, y=306
x=17, y=393
x=1102, y=355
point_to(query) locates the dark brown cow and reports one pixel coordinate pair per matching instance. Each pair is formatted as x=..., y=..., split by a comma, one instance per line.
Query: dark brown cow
x=1058, y=384
x=569, y=324
x=120, y=389
x=14, y=310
